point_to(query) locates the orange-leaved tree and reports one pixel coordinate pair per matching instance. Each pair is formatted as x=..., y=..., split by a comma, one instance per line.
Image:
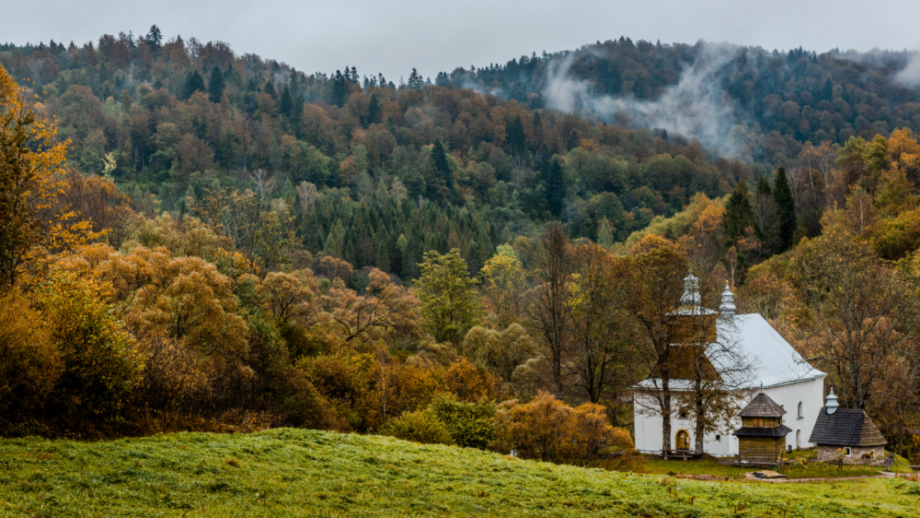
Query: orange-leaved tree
x=548, y=429
x=34, y=224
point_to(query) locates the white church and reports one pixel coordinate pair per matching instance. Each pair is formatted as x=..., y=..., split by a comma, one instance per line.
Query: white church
x=770, y=364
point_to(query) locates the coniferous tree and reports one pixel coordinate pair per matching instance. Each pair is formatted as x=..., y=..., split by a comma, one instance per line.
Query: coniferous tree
x=373, y=109
x=415, y=80
x=514, y=134
x=555, y=186
x=216, y=85
x=193, y=83
x=738, y=215
x=766, y=215
x=286, y=105
x=339, y=88
x=441, y=165
x=154, y=37
x=785, y=204
x=270, y=89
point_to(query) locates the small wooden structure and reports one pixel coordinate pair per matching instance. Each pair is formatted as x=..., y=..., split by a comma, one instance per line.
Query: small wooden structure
x=847, y=435
x=762, y=436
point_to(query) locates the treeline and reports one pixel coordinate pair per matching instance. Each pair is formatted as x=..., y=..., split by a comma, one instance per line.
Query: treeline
x=113, y=322
x=170, y=121
x=782, y=100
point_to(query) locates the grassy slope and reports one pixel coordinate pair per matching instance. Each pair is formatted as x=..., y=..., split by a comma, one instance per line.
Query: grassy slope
x=287, y=472
x=709, y=467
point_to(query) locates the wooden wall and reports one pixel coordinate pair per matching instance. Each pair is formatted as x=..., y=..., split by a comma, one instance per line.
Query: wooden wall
x=762, y=450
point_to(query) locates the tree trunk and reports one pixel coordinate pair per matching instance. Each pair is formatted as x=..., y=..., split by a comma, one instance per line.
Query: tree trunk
x=699, y=417
x=666, y=420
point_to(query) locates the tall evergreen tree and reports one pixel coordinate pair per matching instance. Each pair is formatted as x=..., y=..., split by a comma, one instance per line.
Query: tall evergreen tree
x=339, y=88
x=763, y=186
x=270, y=89
x=738, y=215
x=286, y=105
x=193, y=83
x=555, y=186
x=216, y=85
x=514, y=134
x=441, y=165
x=154, y=37
x=373, y=109
x=415, y=80
x=785, y=203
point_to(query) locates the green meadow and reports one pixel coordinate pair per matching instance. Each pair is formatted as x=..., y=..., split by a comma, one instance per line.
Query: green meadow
x=292, y=472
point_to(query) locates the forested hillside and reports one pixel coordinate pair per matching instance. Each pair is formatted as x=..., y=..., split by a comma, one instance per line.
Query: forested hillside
x=771, y=103
x=366, y=170
x=203, y=240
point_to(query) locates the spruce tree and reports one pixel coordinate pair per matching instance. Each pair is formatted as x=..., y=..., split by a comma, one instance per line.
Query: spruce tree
x=555, y=186
x=763, y=186
x=373, y=109
x=785, y=203
x=441, y=165
x=216, y=85
x=286, y=105
x=339, y=89
x=738, y=215
x=193, y=83
x=154, y=37
x=514, y=135
x=270, y=89
x=415, y=80
x=383, y=255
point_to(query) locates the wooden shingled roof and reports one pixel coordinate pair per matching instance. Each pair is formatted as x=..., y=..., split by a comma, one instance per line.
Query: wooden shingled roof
x=846, y=427
x=762, y=406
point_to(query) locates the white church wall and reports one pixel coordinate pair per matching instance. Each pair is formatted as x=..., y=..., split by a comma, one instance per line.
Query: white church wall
x=648, y=432
x=722, y=443
x=811, y=395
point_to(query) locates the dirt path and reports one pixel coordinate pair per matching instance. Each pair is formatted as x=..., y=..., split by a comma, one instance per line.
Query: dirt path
x=883, y=474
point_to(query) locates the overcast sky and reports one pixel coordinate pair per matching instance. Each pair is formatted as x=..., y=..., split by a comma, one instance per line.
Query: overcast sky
x=392, y=37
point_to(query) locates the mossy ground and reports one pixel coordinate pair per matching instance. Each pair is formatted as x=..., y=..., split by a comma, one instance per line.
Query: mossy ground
x=288, y=472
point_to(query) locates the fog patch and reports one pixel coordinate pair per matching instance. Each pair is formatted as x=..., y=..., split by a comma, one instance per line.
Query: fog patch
x=696, y=107
x=910, y=74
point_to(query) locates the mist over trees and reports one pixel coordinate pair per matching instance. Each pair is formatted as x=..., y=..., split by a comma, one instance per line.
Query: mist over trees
x=248, y=245
x=752, y=103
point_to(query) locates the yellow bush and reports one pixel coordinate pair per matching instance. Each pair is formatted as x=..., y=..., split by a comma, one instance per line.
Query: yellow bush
x=30, y=364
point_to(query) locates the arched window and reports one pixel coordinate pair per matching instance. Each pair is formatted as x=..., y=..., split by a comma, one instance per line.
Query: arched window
x=800, y=411
x=798, y=437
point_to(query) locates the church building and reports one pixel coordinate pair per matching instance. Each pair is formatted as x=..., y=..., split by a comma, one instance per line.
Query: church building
x=747, y=357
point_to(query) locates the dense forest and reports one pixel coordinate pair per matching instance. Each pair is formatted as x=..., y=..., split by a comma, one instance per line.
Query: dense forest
x=356, y=163
x=775, y=102
x=199, y=240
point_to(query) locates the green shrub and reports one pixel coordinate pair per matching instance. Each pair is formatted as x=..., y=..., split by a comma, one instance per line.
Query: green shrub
x=101, y=363
x=422, y=426
x=469, y=424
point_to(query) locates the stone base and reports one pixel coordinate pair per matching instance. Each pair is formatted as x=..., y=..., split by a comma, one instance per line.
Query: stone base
x=874, y=456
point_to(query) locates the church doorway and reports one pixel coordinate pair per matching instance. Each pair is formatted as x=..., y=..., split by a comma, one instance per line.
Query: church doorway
x=683, y=440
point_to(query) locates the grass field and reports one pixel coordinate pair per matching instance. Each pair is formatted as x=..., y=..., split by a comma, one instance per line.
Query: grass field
x=287, y=472
x=710, y=467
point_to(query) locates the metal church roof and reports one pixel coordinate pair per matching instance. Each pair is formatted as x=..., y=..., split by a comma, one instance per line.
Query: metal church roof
x=772, y=361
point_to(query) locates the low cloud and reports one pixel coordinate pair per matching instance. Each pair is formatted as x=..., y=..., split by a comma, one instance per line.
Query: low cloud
x=910, y=74
x=696, y=107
